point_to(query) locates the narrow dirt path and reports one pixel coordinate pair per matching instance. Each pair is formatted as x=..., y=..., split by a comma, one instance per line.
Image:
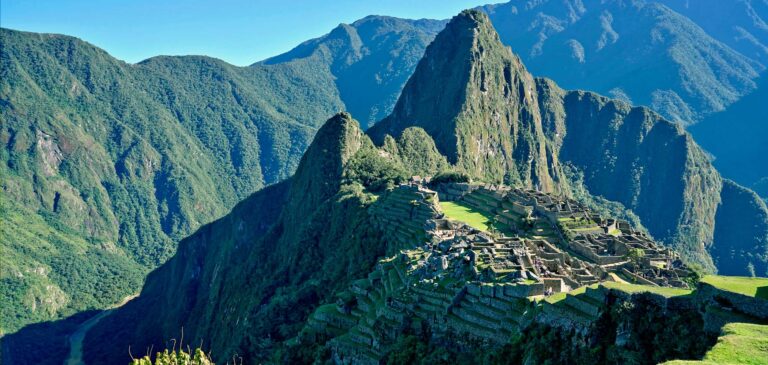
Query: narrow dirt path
x=76, y=338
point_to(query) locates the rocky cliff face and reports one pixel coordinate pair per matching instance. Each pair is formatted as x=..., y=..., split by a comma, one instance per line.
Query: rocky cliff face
x=741, y=233
x=478, y=102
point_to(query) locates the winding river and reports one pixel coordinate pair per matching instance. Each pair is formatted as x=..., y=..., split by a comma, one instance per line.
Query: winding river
x=76, y=338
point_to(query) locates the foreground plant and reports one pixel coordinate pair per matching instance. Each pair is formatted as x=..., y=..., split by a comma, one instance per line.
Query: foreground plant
x=180, y=357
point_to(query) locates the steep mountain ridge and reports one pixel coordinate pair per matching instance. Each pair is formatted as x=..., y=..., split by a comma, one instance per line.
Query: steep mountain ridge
x=371, y=59
x=87, y=108
x=293, y=243
x=741, y=232
x=648, y=164
x=134, y=157
x=481, y=109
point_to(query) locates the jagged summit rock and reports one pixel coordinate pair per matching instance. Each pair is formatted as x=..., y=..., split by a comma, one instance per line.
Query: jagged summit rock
x=478, y=102
x=319, y=173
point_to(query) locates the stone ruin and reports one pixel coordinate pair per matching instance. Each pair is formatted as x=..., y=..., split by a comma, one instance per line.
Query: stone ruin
x=545, y=238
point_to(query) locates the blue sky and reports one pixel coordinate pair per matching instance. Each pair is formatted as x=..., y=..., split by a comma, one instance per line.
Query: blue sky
x=237, y=31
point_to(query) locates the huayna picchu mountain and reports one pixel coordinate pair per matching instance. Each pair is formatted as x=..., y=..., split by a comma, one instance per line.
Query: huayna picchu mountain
x=477, y=101
x=355, y=259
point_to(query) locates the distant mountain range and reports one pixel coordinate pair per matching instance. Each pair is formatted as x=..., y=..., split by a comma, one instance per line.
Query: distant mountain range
x=370, y=60
x=107, y=165
x=640, y=51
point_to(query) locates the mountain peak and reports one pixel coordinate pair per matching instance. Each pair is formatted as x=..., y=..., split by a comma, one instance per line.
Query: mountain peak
x=318, y=175
x=335, y=142
x=478, y=102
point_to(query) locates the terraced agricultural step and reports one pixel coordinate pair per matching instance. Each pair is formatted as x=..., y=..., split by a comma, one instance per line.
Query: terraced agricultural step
x=427, y=306
x=346, y=346
x=426, y=314
x=434, y=293
x=360, y=337
x=365, y=303
x=583, y=304
x=375, y=295
x=462, y=325
x=358, y=313
x=576, y=311
x=394, y=279
x=597, y=296
x=486, y=309
x=504, y=305
x=469, y=314
x=435, y=301
x=366, y=325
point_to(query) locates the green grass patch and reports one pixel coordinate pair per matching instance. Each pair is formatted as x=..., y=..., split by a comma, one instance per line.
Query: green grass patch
x=554, y=298
x=753, y=287
x=466, y=214
x=635, y=288
x=740, y=343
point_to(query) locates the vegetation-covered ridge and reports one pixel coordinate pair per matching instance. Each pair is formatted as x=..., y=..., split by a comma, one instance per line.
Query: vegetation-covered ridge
x=72, y=114
x=134, y=157
x=481, y=110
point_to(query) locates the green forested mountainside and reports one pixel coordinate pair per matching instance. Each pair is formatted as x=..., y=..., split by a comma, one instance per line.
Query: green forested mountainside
x=148, y=151
x=648, y=164
x=738, y=138
x=474, y=97
x=48, y=270
x=635, y=50
x=741, y=24
x=137, y=156
x=371, y=59
x=739, y=240
x=131, y=158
